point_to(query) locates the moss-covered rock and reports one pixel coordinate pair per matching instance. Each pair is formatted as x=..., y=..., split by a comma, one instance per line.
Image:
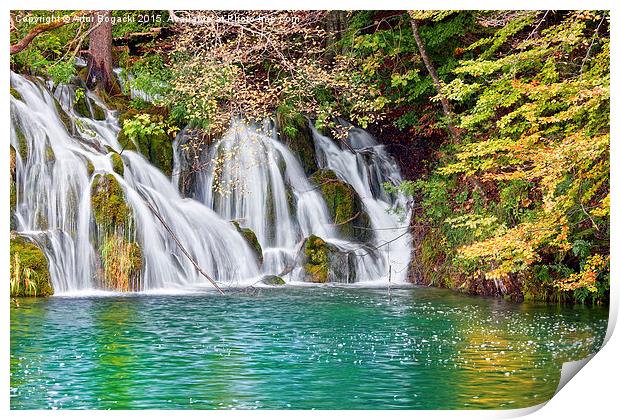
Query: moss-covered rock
x=159, y=151
x=98, y=112
x=117, y=163
x=120, y=255
x=157, y=148
x=13, y=186
x=49, y=154
x=250, y=237
x=273, y=281
x=28, y=269
x=345, y=206
x=125, y=142
x=80, y=106
x=316, y=262
x=297, y=135
x=64, y=118
x=21, y=140
x=90, y=168
x=15, y=94
x=85, y=106
x=108, y=202
x=326, y=263
x=118, y=102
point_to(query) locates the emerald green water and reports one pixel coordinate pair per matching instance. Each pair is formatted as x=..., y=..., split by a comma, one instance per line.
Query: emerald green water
x=298, y=348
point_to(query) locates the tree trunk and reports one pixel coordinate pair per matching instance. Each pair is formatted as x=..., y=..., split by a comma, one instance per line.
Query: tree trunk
x=100, y=53
x=431, y=70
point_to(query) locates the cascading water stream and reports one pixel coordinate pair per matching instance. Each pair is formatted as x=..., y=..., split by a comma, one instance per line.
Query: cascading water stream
x=251, y=177
x=54, y=208
x=366, y=166
x=247, y=176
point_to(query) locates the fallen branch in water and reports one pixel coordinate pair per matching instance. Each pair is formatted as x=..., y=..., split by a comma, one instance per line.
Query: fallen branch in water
x=187, y=254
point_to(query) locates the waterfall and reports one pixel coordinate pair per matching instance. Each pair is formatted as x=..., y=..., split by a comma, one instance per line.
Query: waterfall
x=54, y=192
x=366, y=166
x=248, y=176
x=251, y=177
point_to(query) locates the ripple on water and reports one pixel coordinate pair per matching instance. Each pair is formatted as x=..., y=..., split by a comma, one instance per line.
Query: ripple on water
x=329, y=348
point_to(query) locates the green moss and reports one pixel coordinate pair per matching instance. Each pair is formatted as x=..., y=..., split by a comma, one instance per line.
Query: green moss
x=64, y=117
x=156, y=148
x=49, y=154
x=90, y=168
x=160, y=152
x=433, y=260
x=316, y=262
x=98, y=112
x=108, y=202
x=297, y=135
x=28, y=269
x=125, y=142
x=15, y=94
x=345, y=207
x=120, y=255
x=21, y=141
x=80, y=106
x=118, y=102
x=250, y=237
x=273, y=281
x=117, y=163
x=13, y=186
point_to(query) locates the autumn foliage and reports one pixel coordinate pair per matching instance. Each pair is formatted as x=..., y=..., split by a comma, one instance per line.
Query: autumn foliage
x=535, y=114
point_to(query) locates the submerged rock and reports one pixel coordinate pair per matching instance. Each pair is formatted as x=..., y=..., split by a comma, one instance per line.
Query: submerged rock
x=90, y=168
x=28, y=269
x=273, y=281
x=119, y=252
x=250, y=237
x=49, y=154
x=345, y=206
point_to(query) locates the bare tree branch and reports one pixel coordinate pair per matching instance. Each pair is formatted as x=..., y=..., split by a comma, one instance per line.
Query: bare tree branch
x=44, y=27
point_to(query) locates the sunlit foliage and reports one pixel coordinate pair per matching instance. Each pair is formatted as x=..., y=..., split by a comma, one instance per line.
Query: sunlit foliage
x=535, y=153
